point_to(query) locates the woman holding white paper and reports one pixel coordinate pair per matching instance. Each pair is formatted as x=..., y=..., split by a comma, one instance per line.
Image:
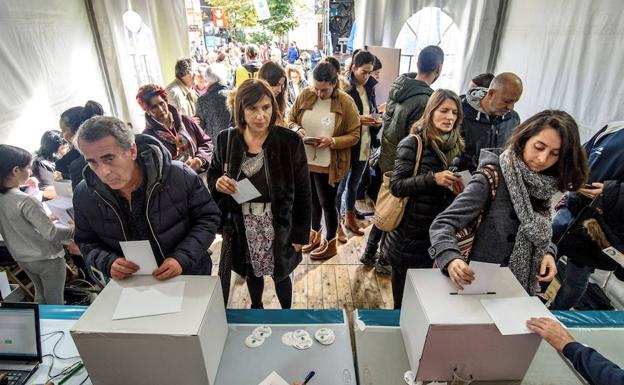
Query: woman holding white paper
x=430, y=188
x=32, y=239
x=543, y=155
x=267, y=231
x=329, y=123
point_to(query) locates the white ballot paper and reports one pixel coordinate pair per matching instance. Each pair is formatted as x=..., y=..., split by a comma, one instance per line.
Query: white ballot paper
x=465, y=177
x=485, y=276
x=144, y=301
x=62, y=208
x=5, y=289
x=510, y=314
x=246, y=191
x=63, y=188
x=140, y=252
x=614, y=254
x=274, y=379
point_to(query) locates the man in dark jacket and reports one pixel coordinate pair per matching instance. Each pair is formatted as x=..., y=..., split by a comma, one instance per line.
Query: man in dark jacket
x=489, y=118
x=406, y=103
x=132, y=191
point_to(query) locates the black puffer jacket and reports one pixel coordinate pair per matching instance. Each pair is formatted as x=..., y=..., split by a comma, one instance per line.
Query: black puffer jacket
x=408, y=243
x=577, y=243
x=481, y=131
x=182, y=214
x=290, y=191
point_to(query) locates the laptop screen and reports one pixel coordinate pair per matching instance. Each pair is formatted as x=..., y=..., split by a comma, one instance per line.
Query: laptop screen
x=19, y=332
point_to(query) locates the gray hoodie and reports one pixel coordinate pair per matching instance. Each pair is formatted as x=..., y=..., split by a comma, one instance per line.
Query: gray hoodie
x=494, y=241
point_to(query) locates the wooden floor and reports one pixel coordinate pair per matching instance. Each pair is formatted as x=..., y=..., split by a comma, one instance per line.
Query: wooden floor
x=337, y=283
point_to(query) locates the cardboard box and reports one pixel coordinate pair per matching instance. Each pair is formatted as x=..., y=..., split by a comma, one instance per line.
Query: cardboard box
x=178, y=348
x=444, y=332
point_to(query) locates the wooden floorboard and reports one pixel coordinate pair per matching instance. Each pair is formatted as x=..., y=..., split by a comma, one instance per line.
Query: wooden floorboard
x=341, y=282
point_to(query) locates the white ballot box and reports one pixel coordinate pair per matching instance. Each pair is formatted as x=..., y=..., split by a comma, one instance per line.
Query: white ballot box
x=447, y=334
x=183, y=346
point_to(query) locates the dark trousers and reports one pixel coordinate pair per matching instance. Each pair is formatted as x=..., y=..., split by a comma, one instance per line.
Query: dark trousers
x=283, y=289
x=399, y=275
x=324, y=202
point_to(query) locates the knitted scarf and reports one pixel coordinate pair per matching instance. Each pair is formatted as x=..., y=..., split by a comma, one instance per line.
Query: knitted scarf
x=445, y=146
x=535, y=229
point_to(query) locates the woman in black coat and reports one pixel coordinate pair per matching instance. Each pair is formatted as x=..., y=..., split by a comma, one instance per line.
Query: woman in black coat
x=268, y=231
x=430, y=191
x=73, y=163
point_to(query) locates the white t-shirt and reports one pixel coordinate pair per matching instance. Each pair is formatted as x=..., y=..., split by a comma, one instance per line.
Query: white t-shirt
x=365, y=139
x=319, y=122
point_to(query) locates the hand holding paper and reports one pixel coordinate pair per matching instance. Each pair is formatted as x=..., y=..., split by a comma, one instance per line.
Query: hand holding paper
x=140, y=254
x=246, y=191
x=485, y=274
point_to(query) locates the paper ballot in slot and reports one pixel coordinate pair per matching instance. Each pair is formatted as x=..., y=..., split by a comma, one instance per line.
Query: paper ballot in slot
x=485, y=276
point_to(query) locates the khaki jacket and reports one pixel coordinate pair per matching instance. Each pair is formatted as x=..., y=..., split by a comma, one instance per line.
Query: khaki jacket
x=346, y=131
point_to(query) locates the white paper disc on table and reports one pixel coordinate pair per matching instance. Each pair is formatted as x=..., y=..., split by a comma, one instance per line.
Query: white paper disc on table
x=409, y=377
x=262, y=331
x=325, y=336
x=300, y=333
x=288, y=339
x=303, y=343
x=253, y=342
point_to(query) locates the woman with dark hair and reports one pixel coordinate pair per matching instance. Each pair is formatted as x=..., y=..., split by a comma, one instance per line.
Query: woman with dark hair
x=543, y=156
x=275, y=75
x=376, y=69
x=329, y=123
x=482, y=80
x=30, y=236
x=49, y=152
x=268, y=231
x=362, y=89
x=72, y=163
x=428, y=188
x=179, y=133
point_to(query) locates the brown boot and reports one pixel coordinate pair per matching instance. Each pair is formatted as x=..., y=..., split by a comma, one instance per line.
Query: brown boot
x=330, y=250
x=315, y=240
x=340, y=234
x=351, y=223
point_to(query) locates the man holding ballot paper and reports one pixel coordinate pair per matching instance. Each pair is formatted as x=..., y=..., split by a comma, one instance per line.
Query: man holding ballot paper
x=133, y=191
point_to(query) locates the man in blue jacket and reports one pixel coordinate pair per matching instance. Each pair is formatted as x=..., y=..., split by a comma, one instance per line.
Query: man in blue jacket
x=132, y=191
x=293, y=53
x=595, y=369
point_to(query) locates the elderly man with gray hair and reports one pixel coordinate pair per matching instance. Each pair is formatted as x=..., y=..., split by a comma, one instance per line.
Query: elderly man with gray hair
x=214, y=116
x=489, y=117
x=133, y=191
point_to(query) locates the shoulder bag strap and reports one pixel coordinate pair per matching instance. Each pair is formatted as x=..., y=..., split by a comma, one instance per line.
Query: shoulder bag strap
x=419, y=149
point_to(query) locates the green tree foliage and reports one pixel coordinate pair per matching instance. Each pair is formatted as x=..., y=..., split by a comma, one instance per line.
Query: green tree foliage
x=241, y=13
x=282, y=18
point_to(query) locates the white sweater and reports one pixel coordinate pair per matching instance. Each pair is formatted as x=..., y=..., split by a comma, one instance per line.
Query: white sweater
x=27, y=231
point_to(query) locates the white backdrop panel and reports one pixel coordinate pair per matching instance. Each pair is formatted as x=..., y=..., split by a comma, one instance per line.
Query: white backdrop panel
x=570, y=56
x=49, y=63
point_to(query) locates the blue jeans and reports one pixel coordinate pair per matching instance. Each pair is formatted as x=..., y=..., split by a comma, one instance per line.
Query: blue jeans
x=349, y=184
x=560, y=223
x=573, y=286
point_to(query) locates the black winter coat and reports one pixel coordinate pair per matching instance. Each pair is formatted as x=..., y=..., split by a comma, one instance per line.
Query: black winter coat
x=577, y=244
x=179, y=209
x=71, y=166
x=212, y=110
x=289, y=186
x=408, y=244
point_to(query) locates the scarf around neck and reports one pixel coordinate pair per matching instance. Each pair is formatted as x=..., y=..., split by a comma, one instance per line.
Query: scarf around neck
x=535, y=231
x=445, y=146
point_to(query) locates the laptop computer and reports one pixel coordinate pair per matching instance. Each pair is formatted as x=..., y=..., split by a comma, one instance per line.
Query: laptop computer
x=20, y=341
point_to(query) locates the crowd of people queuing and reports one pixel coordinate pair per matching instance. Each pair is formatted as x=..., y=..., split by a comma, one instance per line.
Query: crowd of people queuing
x=311, y=138
x=308, y=133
